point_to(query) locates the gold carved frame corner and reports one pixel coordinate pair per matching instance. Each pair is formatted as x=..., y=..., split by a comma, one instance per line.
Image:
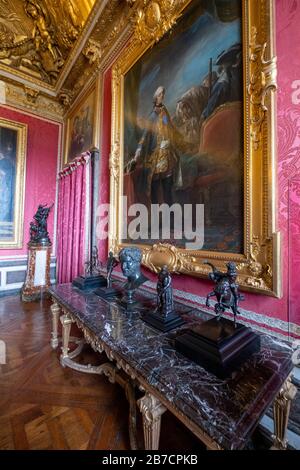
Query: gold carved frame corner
x=21, y=129
x=260, y=264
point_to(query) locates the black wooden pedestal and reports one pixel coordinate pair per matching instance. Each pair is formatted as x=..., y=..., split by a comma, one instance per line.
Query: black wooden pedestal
x=218, y=346
x=163, y=323
x=107, y=292
x=89, y=282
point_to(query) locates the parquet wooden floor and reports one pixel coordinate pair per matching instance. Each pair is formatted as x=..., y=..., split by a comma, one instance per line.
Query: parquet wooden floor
x=45, y=406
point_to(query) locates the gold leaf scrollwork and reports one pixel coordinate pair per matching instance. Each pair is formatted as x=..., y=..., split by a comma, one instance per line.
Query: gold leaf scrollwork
x=260, y=271
x=162, y=254
x=92, y=51
x=155, y=19
x=114, y=164
x=46, y=107
x=65, y=98
x=31, y=94
x=263, y=75
x=116, y=75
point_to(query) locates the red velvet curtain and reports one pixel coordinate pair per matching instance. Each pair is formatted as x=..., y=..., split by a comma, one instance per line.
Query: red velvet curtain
x=73, y=204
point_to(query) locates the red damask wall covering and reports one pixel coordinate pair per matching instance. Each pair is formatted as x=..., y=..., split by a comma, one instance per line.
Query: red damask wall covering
x=43, y=143
x=288, y=118
x=288, y=121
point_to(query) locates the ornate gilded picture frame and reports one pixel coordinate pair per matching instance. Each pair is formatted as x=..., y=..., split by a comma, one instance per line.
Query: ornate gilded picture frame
x=226, y=144
x=13, y=143
x=82, y=124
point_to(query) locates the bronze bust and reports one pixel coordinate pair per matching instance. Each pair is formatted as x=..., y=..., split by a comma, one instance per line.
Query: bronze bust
x=130, y=260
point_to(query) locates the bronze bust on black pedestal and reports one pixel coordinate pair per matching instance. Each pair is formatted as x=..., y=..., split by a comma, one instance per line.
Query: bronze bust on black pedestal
x=130, y=260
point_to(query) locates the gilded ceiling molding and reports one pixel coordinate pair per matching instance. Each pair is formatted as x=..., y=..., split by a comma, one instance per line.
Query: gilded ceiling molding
x=65, y=98
x=155, y=18
x=96, y=12
x=38, y=36
x=112, y=42
x=93, y=52
x=95, y=44
x=8, y=74
x=28, y=99
x=31, y=94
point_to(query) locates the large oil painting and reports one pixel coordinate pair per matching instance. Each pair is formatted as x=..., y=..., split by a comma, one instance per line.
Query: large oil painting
x=183, y=124
x=81, y=125
x=12, y=174
x=193, y=126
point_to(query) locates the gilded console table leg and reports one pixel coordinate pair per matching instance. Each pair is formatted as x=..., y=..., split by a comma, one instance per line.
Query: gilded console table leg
x=66, y=322
x=151, y=409
x=55, y=309
x=281, y=410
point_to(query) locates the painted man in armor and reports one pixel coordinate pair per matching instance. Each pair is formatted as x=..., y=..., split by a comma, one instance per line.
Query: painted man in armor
x=157, y=153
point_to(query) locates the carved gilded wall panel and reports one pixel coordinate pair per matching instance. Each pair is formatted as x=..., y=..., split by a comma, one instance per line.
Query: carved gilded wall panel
x=37, y=36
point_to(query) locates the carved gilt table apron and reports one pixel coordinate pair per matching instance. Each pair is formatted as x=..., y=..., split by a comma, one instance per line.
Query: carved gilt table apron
x=221, y=413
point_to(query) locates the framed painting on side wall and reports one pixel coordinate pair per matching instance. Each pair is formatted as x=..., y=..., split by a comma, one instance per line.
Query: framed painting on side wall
x=193, y=140
x=82, y=124
x=13, y=140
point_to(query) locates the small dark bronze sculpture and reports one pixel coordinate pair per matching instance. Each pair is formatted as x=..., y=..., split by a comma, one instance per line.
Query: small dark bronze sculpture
x=220, y=345
x=38, y=229
x=93, y=266
x=165, y=304
x=92, y=278
x=130, y=260
x=164, y=317
x=107, y=291
x=226, y=290
x=112, y=262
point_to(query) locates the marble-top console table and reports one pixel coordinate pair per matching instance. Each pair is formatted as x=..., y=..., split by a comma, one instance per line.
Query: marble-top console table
x=221, y=413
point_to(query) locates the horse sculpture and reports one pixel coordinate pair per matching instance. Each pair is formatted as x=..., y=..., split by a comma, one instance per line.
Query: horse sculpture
x=226, y=290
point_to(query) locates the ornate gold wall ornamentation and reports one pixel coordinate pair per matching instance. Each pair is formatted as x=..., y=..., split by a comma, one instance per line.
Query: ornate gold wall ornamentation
x=262, y=80
x=37, y=36
x=59, y=46
x=31, y=94
x=92, y=51
x=155, y=18
x=33, y=101
x=65, y=98
x=113, y=26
